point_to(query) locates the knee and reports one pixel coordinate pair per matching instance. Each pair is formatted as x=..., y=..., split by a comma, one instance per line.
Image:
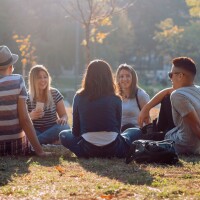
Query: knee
x=133, y=131
x=64, y=133
x=136, y=132
x=60, y=128
x=133, y=134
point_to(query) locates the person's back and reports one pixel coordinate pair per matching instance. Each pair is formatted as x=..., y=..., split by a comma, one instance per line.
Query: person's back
x=103, y=114
x=11, y=88
x=15, y=123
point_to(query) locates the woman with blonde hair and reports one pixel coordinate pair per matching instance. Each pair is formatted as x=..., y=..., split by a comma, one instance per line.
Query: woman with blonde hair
x=133, y=97
x=97, y=116
x=46, y=106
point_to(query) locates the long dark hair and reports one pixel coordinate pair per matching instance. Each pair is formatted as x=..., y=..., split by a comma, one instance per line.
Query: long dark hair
x=134, y=84
x=98, y=80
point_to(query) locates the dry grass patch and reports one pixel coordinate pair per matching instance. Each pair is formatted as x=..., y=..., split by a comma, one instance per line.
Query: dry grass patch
x=63, y=176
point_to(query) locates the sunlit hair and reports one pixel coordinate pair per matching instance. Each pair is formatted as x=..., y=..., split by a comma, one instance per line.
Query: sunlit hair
x=98, y=80
x=134, y=84
x=185, y=63
x=33, y=86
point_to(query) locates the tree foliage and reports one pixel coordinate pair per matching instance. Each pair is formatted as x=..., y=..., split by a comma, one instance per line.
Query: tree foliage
x=139, y=35
x=169, y=36
x=27, y=51
x=180, y=40
x=92, y=15
x=194, y=7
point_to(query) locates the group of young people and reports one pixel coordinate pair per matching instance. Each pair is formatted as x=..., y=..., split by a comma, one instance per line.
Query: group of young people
x=108, y=111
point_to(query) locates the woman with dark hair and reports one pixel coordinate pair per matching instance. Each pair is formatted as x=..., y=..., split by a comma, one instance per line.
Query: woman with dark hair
x=133, y=97
x=97, y=116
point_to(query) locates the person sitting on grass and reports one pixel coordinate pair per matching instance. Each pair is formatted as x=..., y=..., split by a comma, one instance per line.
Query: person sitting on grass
x=185, y=103
x=133, y=97
x=50, y=118
x=97, y=112
x=15, y=123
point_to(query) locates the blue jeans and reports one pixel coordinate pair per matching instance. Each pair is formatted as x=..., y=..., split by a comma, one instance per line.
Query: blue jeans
x=82, y=148
x=132, y=134
x=51, y=135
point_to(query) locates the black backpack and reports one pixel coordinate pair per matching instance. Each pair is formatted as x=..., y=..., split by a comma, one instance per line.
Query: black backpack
x=149, y=151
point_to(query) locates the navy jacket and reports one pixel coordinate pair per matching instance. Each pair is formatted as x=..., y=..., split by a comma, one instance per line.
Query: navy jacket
x=103, y=114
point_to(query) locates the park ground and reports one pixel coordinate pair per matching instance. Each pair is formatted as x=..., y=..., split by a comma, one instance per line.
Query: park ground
x=64, y=176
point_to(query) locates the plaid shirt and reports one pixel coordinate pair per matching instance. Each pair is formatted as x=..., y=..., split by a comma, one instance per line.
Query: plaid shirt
x=15, y=147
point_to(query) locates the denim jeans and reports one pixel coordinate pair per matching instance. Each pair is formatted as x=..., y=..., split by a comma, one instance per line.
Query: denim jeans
x=51, y=135
x=133, y=135
x=117, y=148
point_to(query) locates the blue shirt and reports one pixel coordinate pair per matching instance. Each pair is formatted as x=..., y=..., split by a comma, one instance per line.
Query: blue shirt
x=103, y=114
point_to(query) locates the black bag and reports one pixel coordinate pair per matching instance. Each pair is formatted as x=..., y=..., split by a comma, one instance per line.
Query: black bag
x=150, y=128
x=149, y=151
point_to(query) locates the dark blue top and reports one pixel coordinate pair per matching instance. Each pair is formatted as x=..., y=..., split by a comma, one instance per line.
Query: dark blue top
x=103, y=114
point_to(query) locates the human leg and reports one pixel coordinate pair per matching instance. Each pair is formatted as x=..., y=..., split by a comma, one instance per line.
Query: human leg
x=71, y=142
x=51, y=135
x=124, y=141
x=132, y=134
x=165, y=120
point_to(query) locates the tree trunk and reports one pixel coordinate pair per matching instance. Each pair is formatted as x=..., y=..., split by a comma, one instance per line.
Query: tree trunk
x=87, y=36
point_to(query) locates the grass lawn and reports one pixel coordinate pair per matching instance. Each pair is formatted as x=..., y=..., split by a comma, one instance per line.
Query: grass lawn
x=63, y=176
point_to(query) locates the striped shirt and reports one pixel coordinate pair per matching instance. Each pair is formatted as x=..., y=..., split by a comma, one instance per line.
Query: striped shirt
x=12, y=139
x=12, y=87
x=50, y=114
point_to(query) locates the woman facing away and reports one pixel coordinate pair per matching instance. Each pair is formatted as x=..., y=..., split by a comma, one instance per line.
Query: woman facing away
x=46, y=106
x=97, y=116
x=133, y=97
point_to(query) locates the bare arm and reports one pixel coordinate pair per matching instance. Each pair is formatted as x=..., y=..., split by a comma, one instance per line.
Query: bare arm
x=193, y=121
x=144, y=116
x=28, y=128
x=62, y=113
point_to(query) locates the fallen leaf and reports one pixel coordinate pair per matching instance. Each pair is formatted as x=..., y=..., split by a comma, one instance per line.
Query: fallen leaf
x=60, y=169
x=107, y=196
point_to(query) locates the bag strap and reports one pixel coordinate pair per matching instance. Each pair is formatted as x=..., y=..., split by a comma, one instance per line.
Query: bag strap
x=137, y=100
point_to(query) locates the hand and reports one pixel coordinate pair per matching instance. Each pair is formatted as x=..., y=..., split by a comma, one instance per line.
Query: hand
x=62, y=121
x=144, y=117
x=36, y=114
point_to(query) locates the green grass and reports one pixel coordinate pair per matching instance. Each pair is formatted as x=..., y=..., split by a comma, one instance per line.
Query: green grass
x=64, y=176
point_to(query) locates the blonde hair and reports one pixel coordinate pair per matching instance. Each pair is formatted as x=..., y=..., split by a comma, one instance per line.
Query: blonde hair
x=33, y=88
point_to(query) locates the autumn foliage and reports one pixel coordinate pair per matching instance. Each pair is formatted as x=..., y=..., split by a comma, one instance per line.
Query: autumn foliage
x=27, y=51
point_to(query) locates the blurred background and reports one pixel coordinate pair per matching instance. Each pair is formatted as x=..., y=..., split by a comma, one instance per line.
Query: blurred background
x=64, y=35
